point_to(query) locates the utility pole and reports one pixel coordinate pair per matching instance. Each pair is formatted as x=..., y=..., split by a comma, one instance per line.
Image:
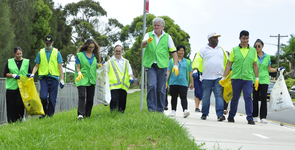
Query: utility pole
x=278, y=59
x=145, y=10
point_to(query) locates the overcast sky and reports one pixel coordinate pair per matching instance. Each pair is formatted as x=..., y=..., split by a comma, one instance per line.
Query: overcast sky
x=198, y=18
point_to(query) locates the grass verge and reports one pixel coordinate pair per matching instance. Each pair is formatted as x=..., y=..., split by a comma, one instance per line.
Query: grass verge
x=134, y=129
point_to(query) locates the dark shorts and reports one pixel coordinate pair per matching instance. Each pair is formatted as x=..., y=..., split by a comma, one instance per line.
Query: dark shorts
x=198, y=88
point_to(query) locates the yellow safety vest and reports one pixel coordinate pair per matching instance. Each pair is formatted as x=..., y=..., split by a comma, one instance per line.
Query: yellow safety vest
x=52, y=67
x=118, y=79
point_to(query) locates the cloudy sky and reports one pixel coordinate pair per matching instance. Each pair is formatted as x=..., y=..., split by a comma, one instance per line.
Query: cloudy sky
x=198, y=18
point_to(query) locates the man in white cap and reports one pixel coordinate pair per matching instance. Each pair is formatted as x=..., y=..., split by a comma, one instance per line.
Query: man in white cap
x=211, y=61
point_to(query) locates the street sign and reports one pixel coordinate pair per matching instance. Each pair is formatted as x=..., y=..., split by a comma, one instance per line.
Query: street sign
x=147, y=6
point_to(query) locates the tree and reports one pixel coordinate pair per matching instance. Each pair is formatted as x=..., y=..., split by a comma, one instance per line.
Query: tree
x=132, y=35
x=6, y=34
x=83, y=16
x=61, y=31
x=288, y=55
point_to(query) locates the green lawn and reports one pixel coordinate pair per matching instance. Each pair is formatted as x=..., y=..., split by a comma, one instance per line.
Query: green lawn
x=103, y=130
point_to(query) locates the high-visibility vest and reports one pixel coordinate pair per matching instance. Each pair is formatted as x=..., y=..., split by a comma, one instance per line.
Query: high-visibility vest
x=243, y=67
x=158, y=52
x=52, y=67
x=118, y=79
x=11, y=83
x=89, y=72
x=263, y=71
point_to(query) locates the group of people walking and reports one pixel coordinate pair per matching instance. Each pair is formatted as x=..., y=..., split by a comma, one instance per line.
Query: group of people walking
x=206, y=73
x=49, y=66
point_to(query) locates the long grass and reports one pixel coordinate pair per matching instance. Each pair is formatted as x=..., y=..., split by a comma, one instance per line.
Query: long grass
x=134, y=129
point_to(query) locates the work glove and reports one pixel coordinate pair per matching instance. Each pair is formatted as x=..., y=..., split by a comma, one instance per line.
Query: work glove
x=195, y=74
x=131, y=80
x=15, y=76
x=80, y=76
x=62, y=83
x=281, y=68
x=150, y=40
x=221, y=81
x=256, y=84
x=30, y=75
x=175, y=69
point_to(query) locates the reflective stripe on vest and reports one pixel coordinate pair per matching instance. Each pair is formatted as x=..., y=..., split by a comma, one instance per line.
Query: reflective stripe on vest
x=117, y=75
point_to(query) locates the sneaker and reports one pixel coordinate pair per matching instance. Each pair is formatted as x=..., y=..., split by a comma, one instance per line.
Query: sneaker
x=80, y=117
x=197, y=110
x=251, y=122
x=263, y=120
x=186, y=113
x=42, y=116
x=166, y=108
x=230, y=119
x=221, y=118
x=204, y=117
x=224, y=112
x=255, y=119
x=173, y=113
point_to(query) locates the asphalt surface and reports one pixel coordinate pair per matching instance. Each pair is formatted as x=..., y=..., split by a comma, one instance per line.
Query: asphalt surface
x=238, y=135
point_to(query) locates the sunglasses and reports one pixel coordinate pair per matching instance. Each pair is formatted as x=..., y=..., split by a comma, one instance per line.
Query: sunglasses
x=257, y=46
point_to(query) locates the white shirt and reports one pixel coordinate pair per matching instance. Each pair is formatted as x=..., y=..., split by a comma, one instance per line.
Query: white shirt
x=170, y=41
x=212, y=62
x=120, y=62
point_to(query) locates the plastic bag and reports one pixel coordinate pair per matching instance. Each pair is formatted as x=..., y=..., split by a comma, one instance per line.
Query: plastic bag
x=279, y=97
x=104, y=93
x=227, y=88
x=30, y=96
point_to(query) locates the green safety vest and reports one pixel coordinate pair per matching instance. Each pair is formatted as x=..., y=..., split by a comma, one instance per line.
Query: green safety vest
x=158, y=52
x=187, y=69
x=52, y=67
x=243, y=67
x=263, y=71
x=88, y=72
x=11, y=83
x=118, y=79
x=198, y=61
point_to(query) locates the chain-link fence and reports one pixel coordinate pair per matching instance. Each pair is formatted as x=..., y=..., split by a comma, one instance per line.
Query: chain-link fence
x=67, y=98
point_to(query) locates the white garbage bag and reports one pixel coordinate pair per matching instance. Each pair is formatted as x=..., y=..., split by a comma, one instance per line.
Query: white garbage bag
x=104, y=93
x=280, y=98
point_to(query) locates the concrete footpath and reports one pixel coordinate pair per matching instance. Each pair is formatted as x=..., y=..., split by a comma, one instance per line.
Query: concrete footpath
x=238, y=135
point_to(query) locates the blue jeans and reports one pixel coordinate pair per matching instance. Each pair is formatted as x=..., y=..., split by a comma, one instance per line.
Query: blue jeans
x=156, y=81
x=48, y=94
x=247, y=87
x=207, y=86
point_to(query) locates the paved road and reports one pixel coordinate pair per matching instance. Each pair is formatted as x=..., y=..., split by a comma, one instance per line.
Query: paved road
x=286, y=116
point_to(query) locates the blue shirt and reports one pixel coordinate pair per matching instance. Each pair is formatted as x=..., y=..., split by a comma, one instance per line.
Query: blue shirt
x=181, y=79
x=90, y=60
x=48, y=53
x=262, y=58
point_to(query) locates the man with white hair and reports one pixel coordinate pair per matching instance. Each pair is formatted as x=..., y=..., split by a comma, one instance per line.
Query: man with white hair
x=211, y=61
x=157, y=46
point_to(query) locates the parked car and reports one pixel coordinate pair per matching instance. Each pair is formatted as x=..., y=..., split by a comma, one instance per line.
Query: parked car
x=270, y=86
x=292, y=91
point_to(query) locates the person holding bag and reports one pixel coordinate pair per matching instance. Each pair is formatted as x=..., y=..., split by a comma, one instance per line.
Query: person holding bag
x=264, y=67
x=85, y=74
x=14, y=68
